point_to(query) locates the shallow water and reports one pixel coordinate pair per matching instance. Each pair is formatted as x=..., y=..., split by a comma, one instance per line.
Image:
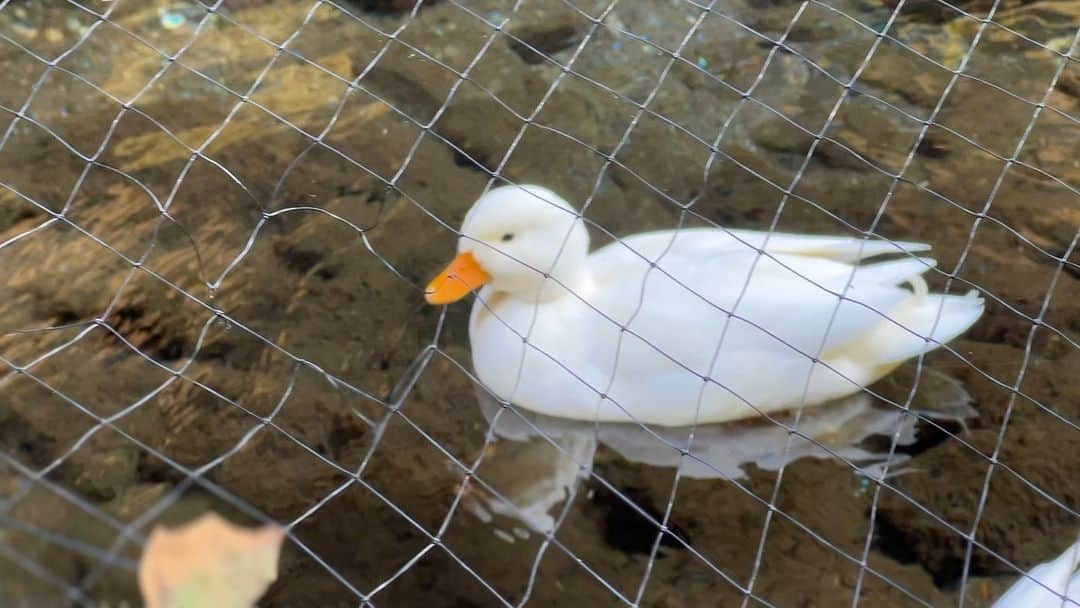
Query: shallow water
x=278, y=278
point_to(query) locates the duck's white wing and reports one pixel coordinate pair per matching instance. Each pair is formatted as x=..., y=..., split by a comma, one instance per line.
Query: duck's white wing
x=786, y=310
x=706, y=242
x=782, y=302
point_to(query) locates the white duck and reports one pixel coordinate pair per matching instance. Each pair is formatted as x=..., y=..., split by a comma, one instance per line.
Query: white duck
x=1054, y=584
x=681, y=360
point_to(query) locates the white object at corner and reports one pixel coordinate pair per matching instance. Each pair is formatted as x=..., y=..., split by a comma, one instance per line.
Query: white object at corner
x=1054, y=584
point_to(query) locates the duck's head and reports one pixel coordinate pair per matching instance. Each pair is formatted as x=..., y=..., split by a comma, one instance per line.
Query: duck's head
x=511, y=238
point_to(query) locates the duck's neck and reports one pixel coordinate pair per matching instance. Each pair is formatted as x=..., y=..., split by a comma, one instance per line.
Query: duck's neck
x=564, y=282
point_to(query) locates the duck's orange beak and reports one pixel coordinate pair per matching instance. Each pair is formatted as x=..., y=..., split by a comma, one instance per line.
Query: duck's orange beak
x=461, y=276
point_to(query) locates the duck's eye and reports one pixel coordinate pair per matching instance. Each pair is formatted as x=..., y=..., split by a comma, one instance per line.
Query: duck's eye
x=506, y=238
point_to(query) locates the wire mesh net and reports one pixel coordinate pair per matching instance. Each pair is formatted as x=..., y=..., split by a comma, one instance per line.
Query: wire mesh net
x=217, y=219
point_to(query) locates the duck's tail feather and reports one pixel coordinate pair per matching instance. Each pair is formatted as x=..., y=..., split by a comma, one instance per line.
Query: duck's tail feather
x=923, y=323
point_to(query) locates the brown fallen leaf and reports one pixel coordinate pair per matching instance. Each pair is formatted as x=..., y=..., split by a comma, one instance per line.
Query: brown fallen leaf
x=208, y=562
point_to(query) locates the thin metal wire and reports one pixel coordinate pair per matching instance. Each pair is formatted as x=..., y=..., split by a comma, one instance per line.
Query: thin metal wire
x=132, y=532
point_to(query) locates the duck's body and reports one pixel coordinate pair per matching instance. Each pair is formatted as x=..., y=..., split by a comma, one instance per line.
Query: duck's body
x=577, y=362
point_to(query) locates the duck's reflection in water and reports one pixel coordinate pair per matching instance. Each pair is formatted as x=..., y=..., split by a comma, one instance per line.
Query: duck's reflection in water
x=537, y=461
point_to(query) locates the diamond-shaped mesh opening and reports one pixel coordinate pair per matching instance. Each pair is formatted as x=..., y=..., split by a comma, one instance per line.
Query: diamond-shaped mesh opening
x=783, y=146
x=296, y=243
x=814, y=36
x=51, y=111
x=495, y=74
x=858, y=131
x=1043, y=156
x=438, y=577
x=962, y=155
x=415, y=85
x=937, y=31
x=629, y=41
x=480, y=149
x=217, y=222
x=316, y=42
x=18, y=84
x=295, y=467
x=276, y=26
x=97, y=59
x=679, y=174
x=348, y=425
x=1037, y=63
x=57, y=542
x=1040, y=503
x=260, y=125
x=999, y=139
x=114, y=208
x=923, y=79
x=590, y=115
x=357, y=516
x=46, y=30
x=316, y=93
x=146, y=157
x=429, y=32
x=906, y=211
x=814, y=202
x=1040, y=271
x=48, y=299
x=207, y=200
x=792, y=88
x=370, y=136
x=97, y=351
x=230, y=352
x=697, y=74
x=177, y=422
x=323, y=178
x=34, y=438
x=162, y=107
x=167, y=28
x=226, y=55
x=424, y=207
x=427, y=499
x=619, y=517
x=610, y=205
x=540, y=32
